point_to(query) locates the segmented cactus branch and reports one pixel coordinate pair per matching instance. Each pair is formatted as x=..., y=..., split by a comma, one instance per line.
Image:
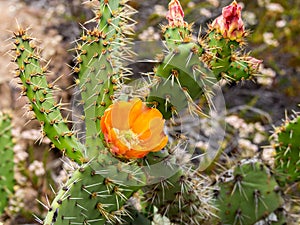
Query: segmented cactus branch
x=287, y=145
x=40, y=95
x=99, y=67
x=7, y=181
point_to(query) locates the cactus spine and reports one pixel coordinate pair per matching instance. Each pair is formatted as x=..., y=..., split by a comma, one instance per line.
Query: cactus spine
x=6, y=160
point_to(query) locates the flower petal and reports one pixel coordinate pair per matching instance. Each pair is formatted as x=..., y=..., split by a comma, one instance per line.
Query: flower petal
x=120, y=115
x=132, y=154
x=136, y=109
x=116, y=144
x=156, y=134
x=141, y=125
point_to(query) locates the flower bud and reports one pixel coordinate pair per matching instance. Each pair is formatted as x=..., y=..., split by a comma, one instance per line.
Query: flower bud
x=253, y=62
x=175, y=14
x=230, y=23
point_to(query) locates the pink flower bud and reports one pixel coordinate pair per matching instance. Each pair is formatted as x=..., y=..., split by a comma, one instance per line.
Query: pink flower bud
x=253, y=62
x=230, y=23
x=175, y=14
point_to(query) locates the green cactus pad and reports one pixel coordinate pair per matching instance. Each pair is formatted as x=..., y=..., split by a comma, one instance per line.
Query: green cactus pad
x=99, y=68
x=6, y=160
x=95, y=194
x=181, y=79
x=287, y=159
x=40, y=94
x=222, y=58
x=247, y=193
x=185, y=197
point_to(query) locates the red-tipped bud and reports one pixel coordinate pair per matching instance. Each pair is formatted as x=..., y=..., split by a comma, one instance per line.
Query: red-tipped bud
x=230, y=23
x=175, y=14
x=253, y=62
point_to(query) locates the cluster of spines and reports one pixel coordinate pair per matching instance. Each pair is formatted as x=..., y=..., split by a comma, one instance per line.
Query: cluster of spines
x=247, y=194
x=287, y=146
x=6, y=160
x=91, y=197
x=223, y=57
x=184, y=198
x=40, y=94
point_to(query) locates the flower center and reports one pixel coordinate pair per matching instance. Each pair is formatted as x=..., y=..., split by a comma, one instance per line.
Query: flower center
x=128, y=138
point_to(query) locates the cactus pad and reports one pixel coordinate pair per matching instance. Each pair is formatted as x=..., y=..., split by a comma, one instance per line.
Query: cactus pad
x=247, y=193
x=287, y=159
x=6, y=160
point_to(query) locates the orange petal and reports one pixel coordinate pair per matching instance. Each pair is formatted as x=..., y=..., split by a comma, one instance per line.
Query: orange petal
x=157, y=134
x=137, y=107
x=141, y=125
x=132, y=154
x=120, y=115
x=154, y=143
x=104, y=126
x=117, y=145
x=161, y=145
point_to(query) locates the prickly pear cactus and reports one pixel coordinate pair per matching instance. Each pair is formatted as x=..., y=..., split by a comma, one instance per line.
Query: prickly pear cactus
x=180, y=78
x=6, y=160
x=105, y=175
x=247, y=194
x=191, y=69
x=186, y=73
x=287, y=144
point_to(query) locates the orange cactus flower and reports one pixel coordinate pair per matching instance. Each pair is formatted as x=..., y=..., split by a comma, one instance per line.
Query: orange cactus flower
x=230, y=23
x=132, y=130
